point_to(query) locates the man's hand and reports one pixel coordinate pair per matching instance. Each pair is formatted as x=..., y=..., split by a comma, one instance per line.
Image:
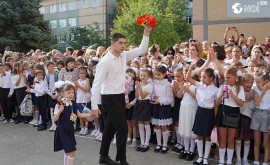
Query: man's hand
x=147, y=29
x=96, y=112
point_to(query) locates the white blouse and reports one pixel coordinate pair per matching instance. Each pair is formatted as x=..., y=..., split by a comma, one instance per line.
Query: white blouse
x=147, y=88
x=206, y=95
x=230, y=101
x=40, y=88
x=22, y=82
x=264, y=105
x=164, y=91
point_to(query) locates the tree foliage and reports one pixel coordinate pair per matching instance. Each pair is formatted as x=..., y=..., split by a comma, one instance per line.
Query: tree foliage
x=22, y=27
x=86, y=36
x=171, y=25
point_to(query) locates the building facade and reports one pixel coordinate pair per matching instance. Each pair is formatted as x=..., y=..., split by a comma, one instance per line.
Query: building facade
x=210, y=22
x=66, y=14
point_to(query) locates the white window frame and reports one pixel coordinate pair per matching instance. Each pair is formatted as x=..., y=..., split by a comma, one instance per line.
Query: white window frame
x=42, y=10
x=62, y=23
x=72, y=22
x=84, y=4
x=95, y=3
x=62, y=38
x=53, y=8
x=71, y=37
x=187, y=19
x=72, y=5
x=53, y=24
x=62, y=7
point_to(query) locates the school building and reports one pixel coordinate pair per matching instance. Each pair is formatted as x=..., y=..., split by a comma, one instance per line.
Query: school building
x=210, y=22
x=66, y=14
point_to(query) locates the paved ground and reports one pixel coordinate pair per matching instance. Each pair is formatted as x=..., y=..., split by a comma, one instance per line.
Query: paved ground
x=23, y=145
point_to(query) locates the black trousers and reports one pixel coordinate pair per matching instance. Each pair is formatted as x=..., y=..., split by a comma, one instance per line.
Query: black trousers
x=100, y=119
x=114, y=116
x=20, y=94
x=42, y=110
x=6, y=102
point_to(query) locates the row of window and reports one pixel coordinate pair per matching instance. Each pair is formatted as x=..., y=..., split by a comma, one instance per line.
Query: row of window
x=63, y=38
x=71, y=6
x=63, y=23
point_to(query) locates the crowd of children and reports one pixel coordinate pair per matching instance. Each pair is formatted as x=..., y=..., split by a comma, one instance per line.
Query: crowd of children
x=175, y=98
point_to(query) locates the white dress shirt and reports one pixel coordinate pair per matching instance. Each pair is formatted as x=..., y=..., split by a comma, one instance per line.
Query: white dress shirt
x=111, y=71
x=164, y=91
x=147, y=88
x=230, y=101
x=22, y=82
x=5, y=82
x=40, y=88
x=206, y=95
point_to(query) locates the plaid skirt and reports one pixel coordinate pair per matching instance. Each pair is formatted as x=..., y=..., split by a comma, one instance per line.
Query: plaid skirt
x=244, y=132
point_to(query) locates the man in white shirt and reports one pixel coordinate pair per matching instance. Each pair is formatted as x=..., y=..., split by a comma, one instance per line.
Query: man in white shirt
x=237, y=56
x=110, y=82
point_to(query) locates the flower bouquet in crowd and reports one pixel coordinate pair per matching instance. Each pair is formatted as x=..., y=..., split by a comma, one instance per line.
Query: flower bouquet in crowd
x=204, y=55
x=146, y=18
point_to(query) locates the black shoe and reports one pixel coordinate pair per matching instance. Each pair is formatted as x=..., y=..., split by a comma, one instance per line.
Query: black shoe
x=124, y=163
x=190, y=156
x=198, y=163
x=174, y=147
x=178, y=150
x=144, y=149
x=107, y=160
x=17, y=121
x=183, y=154
x=42, y=128
x=164, y=150
x=157, y=149
x=139, y=148
x=26, y=122
x=36, y=125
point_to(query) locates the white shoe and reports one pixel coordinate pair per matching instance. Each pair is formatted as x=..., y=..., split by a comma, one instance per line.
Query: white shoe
x=238, y=162
x=5, y=121
x=54, y=128
x=85, y=132
x=97, y=133
x=246, y=162
x=99, y=137
x=33, y=122
x=2, y=118
x=114, y=141
x=134, y=144
x=93, y=132
x=51, y=128
x=11, y=120
x=81, y=132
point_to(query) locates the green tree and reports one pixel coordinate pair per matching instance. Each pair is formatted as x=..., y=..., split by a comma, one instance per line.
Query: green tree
x=22, y=27
x=171, y=25
x=86, y=36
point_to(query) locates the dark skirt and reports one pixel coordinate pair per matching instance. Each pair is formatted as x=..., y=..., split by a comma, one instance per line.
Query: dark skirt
x=176, y=109
x=64, y=140
x=142, y=110
x=244, y=131
x=204, y=122
x=227, y=110
x=161, y=114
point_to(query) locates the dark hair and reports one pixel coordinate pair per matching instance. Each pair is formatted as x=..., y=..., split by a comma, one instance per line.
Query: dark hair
x=200, y=62
x=84, y=68
x=80, y=53
x=80, y=60
x=162, y=69
x=40, y=67
x=94, y=62
x=153, y=49
x=233, y=71
x=67, y=87
x=49, y=63
x=129, y=69
x=60, y=62
x=169, y=49
x=9, y=59
x=69, y=59
x=2, y=65
x=178, y=69
x=238, y=46
x=8, y=64
x=260, y=49
x=16, y=64
x=221, y=55
x=117, y=36
x=39, y=71
x=70, y=49
x=210, y=72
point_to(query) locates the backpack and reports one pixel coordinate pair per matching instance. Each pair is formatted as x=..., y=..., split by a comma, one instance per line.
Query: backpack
x=48, y=77
x=26, y=107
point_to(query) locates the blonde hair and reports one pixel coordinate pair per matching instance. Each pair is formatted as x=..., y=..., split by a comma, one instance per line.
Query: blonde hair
x=238, y=83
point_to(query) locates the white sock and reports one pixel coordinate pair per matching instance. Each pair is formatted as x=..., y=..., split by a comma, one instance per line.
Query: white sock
x=165, y=138
x=36, y=115
x=192, y=145
x=238, y=150
x=51, y=111
x=229, y=155
x=265, y=163
x=200, y=150
x=221, y=155
x=128, y=139
x=158, y=134
x=69, y=160
x=65, y=159
x=148, y=134
x=134, y=140
x=40, y=120
x=206, y=151
x=142, y=133
x=182, y=141
x=246, y=150
x=177, y=135
x=186, y=142
x=256, y=163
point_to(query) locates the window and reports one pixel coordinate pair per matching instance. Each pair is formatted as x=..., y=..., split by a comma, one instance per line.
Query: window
x=71, y=5
x=189, y=19
x=52, y=8
x=53, y=24
x=62, y=7
x=84, y=4
x=55, y=38
x=95, y=3
x=42, y=10
x=71, y=37
x=62, y=23
x=72, y=22
x=189, y=4
x=63, y=38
